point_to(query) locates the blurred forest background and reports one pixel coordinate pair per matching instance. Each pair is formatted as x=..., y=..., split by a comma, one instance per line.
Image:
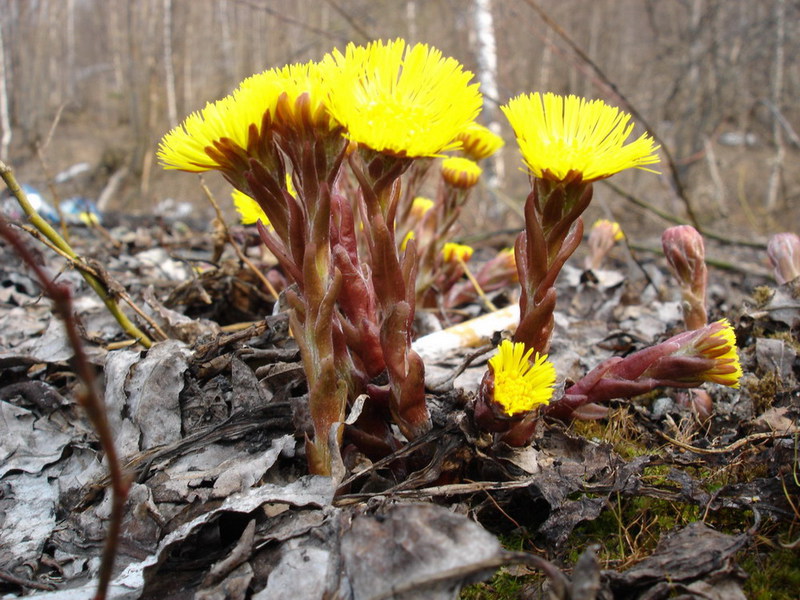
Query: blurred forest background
x=717, y=81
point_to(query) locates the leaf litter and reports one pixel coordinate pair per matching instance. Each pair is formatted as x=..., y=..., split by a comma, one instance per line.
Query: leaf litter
x=220, y=505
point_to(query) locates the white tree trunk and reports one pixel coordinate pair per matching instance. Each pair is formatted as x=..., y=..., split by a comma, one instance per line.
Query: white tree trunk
x=486, y=55
x=169, y=71
x=5, y=118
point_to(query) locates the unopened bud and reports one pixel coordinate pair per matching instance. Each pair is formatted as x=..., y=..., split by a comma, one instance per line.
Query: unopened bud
x=685, y=252
x=783, y=250
x=461, y=173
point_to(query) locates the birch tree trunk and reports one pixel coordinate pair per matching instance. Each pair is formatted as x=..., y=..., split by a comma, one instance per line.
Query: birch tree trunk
x=5, y=117
x=486, y=56
x=169, y=71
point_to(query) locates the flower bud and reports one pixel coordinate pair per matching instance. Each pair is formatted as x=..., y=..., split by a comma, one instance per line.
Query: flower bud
x=461, y=173
x=479, y=142
x=420, y=206
x=601, y=239
x=453, y=252
x=783, y=250
x=685, y=252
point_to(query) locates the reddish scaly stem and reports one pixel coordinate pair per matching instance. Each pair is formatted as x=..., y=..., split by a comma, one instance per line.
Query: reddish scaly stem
x=88, y=399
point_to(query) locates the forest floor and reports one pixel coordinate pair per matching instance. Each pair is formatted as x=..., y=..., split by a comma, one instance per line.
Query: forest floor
x=654, y=501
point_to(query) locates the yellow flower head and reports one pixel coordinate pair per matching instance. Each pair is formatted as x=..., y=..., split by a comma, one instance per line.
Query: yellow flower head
x=562, y=138
x=300, y=104
x=453, y=252
x=519, y=384
x=719, y=345
x=239, y=119
x=400, y=100
x=420, y=206
x=249, y=210
x=478, y=142
x=461, y=173
x=612, y=227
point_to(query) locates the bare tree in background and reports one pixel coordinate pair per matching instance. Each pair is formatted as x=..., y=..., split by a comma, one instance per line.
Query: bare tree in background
x=773, y=188
x=169, y=71
x=5, y=121
x=486, y=56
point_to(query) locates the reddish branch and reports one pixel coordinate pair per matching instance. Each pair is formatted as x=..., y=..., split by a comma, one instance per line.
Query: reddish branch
x=88, y=398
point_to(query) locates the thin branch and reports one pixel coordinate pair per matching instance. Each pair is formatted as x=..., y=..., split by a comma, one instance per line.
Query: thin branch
x=51, y=234
x=236, y=248
x=88, y=398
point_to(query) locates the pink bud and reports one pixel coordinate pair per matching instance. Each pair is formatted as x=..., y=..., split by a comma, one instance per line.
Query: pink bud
x=783, y=250
x=685, y=252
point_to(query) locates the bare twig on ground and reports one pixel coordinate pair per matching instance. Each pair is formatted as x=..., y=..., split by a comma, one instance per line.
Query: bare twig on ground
x=51, y=234
x=236, y=248
x=88, y=398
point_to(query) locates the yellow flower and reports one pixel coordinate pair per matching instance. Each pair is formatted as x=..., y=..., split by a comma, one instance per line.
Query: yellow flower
x=237, y=121
x=519, y=384
x=456, y=252
x=400, y=100
x=478, y=142
x=249, y=210
x=420, y=206
x=460, y=172
x=719, y=345
x=562, y=138
x=612, y=226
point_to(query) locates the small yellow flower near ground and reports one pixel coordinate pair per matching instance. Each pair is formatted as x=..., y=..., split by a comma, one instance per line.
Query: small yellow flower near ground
x=519, y=384
x=479, y=142
x=461, y=173
x=454, y=252
x=720, y=346
x=562, y=138
x=400, y=100
x=614, y=229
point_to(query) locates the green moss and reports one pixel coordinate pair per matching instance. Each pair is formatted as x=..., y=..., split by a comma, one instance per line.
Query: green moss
x=773, y=576
x=503, y=586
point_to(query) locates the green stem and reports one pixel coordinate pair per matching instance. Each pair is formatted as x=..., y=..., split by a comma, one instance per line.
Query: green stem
x=51, y=234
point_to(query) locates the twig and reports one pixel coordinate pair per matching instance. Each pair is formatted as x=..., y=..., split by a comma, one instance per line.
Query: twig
x=87, y=397
x=242, y=257
x=25, y=583
x=755, y=437
x=51, y=234
x=488, y=303
x=725, y=239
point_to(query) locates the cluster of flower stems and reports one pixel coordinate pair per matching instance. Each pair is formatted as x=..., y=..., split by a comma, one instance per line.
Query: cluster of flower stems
x=334, y=153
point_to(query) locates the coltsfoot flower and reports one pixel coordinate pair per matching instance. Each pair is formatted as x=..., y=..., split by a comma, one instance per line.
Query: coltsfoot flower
x=479, y=142
x=400, y=100
x=568, y=138
x=717, y=343
x=452, y=252
x=420, y=206
x=461, y=173
x=521, y=384
x=289, y=98
x=249, y=210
